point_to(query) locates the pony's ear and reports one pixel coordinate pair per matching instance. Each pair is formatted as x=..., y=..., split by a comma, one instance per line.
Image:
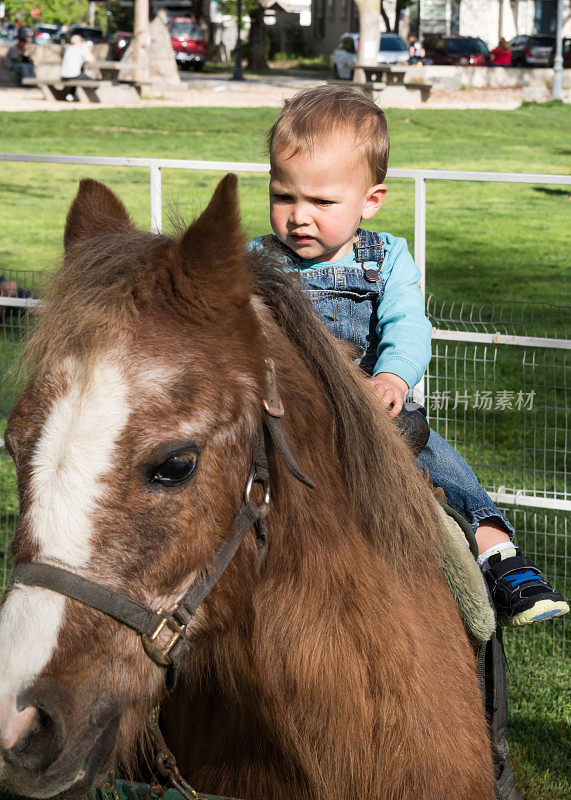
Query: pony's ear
x=95, y=210
x=213, y=249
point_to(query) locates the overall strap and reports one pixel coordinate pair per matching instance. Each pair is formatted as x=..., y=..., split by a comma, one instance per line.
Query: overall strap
x=369, y=247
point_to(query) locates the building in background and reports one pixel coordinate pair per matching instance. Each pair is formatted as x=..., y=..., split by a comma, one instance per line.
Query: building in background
x=487, y=19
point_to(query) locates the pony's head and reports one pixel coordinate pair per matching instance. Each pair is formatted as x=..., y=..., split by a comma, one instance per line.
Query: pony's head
x=133, y=442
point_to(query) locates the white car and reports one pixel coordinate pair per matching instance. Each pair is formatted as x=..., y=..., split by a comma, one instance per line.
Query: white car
x=392, y=49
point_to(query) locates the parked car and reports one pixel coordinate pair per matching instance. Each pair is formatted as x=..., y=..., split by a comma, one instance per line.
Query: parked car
x=7, y=33
x=118, y=43
x=392, y=50
x=188, y=42
x=532, y=51
x=565, y=52
x=10, y=32
x=458, y=50
x=44, y=33
x=89, y=35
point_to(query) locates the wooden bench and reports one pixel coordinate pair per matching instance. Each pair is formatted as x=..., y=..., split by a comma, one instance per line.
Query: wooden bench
x=57, y=89
x=91, y=91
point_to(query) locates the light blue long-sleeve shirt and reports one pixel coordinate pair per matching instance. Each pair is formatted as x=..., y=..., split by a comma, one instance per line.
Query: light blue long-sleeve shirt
x=403, y=331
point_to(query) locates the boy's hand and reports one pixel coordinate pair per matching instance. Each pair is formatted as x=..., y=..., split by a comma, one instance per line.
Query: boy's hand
x=392, y=390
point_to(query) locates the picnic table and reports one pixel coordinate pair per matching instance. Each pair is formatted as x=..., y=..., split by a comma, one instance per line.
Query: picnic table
x=380, y=76
x=88, y=89
x=110, y=70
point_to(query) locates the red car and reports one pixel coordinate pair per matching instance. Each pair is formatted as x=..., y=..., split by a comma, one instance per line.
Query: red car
x=458, y=50
x=118, y=44
x=189, y=45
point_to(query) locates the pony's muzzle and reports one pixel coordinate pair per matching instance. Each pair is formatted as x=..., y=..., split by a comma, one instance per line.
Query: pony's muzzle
x=34, y=740
x=48, y=748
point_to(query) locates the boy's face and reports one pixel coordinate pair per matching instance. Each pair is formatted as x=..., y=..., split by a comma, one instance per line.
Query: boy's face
x=318, y=199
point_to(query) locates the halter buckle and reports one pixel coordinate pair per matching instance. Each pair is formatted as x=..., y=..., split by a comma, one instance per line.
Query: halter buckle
x=161, y=655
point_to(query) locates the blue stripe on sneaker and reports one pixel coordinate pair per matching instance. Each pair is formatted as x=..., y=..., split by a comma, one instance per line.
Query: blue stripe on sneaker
x=522, y=577
x=547, y=615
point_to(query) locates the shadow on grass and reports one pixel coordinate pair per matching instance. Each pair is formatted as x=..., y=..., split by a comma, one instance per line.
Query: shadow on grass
x=552, y=192
x=543, y=745
x=19, y=189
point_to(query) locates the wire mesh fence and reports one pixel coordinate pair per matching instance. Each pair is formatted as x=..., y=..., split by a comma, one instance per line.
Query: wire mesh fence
x=504, y=407
x=14, y=322
x=517, y=319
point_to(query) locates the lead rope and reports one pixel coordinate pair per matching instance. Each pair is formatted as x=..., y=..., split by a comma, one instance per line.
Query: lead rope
x=165, y=763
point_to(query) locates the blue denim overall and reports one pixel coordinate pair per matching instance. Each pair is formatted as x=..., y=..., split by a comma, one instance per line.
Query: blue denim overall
x=347, y=299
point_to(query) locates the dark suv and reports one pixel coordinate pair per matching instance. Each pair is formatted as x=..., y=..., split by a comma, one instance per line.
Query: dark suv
x=457, y=50
x=89, y=35
x=532, y=51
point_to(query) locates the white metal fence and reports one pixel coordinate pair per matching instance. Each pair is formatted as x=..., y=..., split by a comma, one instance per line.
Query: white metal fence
x=480, y=353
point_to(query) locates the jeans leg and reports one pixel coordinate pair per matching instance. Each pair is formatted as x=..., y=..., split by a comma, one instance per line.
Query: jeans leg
x=449, y=471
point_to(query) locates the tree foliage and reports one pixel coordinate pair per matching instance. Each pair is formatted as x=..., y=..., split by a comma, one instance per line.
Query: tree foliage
x=57, y=12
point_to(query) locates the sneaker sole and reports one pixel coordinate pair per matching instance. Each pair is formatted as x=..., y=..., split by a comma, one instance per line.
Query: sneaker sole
x=542, y=610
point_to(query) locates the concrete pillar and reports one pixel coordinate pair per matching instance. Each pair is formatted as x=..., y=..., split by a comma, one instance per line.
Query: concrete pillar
x=558, y=61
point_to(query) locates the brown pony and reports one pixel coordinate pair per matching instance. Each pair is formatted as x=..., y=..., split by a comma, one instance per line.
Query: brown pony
x=336, y=666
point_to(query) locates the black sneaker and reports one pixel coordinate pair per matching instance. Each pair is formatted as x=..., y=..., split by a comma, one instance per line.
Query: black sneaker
x=519, y=593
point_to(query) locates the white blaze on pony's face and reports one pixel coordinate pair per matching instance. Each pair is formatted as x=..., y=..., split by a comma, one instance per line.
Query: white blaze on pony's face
x=64, y=489
x=66, y=466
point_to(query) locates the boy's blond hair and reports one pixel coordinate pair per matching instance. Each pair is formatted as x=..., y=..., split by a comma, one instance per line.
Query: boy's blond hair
x=327, y=110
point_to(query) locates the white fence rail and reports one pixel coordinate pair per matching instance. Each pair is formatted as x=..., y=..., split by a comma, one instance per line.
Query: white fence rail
x=419, y=176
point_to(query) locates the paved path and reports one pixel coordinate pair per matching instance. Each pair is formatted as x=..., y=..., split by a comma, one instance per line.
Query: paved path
x=212, y=90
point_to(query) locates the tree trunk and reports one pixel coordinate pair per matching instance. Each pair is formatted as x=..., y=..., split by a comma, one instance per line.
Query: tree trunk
x=515, y=12
x=399, y=5
x=257, y=40
x=368, y=37
x=385, y=17
x=141, y=29
x=201, y=12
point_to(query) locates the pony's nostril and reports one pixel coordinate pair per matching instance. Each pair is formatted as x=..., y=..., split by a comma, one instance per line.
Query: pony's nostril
x=15, y=725
x=39, y=743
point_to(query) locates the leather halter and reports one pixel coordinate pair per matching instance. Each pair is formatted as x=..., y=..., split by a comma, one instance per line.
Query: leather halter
x=145, y=621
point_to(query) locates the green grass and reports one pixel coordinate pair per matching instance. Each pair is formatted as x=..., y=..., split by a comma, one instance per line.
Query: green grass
x=539, y=726
x=484, y=240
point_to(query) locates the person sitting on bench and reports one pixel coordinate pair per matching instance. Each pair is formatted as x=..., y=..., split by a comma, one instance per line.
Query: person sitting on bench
x=10, y=288
x=76, y=54
x=18, y=60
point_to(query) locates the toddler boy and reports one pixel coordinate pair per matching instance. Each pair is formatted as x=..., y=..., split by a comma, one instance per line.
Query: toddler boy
x=329, y=153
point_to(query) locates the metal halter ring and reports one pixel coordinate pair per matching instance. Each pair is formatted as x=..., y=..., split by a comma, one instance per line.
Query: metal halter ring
x=248, y=490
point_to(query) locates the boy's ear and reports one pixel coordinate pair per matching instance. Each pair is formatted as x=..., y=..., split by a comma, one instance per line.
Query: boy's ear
x=374, y=200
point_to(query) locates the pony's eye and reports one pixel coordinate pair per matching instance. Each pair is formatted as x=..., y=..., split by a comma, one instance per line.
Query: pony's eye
x=176, y=470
